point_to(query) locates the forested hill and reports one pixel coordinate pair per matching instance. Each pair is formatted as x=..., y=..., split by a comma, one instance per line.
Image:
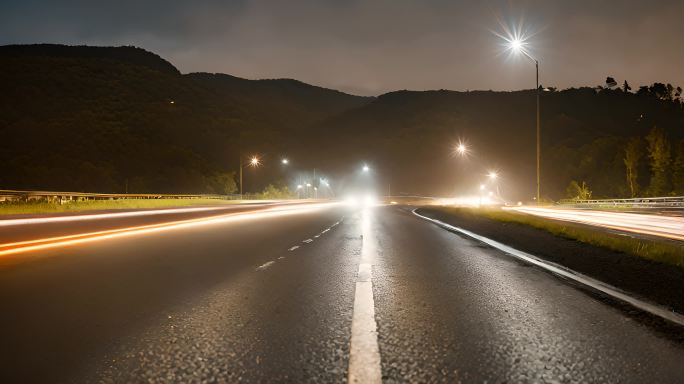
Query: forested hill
x=584, y=135
x=128, y=55
x=96, y=119
x=101, y=118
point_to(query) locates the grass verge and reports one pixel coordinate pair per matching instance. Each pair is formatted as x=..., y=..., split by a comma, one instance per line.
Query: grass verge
x=18, y=208
x=660, y=251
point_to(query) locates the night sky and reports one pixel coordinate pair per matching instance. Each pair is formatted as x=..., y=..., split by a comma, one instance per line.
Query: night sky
x=371, y=47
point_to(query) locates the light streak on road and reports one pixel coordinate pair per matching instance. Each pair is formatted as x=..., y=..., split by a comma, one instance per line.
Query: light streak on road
x=61, y=241
x=113, y=215
x=646, y=224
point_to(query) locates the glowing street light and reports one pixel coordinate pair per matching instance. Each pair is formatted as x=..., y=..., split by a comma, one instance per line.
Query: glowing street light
x=366, y=168
x=461, y=149
x=285, y=161
x=516, y=43
x=482, y=187
x=492, y=175
x=253, y=162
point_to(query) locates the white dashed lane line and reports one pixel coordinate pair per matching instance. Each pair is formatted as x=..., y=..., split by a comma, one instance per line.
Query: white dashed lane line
x=311, y=240
x=294, y=247
x=265, y=265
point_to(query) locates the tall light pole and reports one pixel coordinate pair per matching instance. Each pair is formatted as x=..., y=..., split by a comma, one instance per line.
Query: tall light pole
x=517, y=45
x=253, y=162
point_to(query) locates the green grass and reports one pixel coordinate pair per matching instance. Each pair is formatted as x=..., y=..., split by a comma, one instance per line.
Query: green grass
x=660, y=251
x=16, y=208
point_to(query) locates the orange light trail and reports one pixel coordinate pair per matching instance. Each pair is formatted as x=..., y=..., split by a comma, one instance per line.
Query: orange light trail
x=61, y=241
x=670, y=227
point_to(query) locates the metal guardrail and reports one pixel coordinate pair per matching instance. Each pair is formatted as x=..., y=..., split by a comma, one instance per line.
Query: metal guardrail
x=640, y=202
x=62, y=197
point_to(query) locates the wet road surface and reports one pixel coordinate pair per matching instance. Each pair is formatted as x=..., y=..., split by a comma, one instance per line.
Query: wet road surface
x=282, y=297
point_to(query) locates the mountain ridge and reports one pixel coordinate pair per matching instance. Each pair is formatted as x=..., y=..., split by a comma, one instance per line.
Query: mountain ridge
x=100, y=119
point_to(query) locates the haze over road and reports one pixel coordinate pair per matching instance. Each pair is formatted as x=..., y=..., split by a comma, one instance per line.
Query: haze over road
x=280, y=296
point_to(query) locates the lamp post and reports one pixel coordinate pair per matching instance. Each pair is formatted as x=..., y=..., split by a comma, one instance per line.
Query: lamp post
x=493, y=175
x=253, y=162
x=517, y=45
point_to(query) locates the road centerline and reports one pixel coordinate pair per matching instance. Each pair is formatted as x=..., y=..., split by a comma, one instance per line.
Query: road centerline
x=364, y=353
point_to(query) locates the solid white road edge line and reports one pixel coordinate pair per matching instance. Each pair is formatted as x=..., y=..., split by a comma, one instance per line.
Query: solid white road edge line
x=364, y=353
x=609, y=290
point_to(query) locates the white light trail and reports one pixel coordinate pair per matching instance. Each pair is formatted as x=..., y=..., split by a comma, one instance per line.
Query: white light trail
x=670, y=227
x=60, y=241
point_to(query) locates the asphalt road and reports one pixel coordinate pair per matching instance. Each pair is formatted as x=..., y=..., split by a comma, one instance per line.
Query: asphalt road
x=231, y=301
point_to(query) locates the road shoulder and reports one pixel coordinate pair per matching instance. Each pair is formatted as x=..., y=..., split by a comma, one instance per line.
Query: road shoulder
x=655, y=282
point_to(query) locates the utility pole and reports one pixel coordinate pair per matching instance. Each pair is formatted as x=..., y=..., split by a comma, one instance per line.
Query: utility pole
x=240, y=176
x=536, y=62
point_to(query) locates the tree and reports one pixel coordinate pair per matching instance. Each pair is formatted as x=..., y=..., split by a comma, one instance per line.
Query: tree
x=577, y=191
x=276, y=192
x=610, y=82
x=659, y=154
x=223, y=183
x=625, y=87
x=633, y=153
x=643, y=91
x=661, y=91
x=678, y=174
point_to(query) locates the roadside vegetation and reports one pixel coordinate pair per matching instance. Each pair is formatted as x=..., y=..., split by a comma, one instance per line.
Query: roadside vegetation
x=660, y=251
x=271, y=192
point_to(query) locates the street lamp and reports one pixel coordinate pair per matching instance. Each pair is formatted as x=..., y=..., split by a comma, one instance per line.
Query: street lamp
x=517, y=44
x=493, y=175
x=253, y=162
x=285, y=161
x=461, y=148
x=366, y=168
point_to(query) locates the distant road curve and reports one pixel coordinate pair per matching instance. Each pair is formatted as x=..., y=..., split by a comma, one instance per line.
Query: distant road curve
x=670, y=227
